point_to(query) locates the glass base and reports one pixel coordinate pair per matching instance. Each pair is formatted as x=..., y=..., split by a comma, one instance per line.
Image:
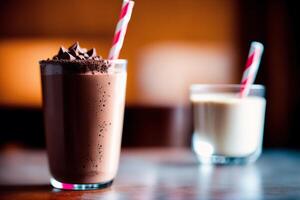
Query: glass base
x=70, y=186
x=228, y=160
x=206, y=155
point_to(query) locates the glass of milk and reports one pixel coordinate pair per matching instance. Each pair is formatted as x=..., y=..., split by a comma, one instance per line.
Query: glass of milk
x=228, y=129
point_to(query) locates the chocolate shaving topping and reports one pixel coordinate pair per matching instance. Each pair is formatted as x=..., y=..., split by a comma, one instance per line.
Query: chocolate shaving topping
x=77, y=59
x=92, y=52
x=62, y=50
x=76, y=52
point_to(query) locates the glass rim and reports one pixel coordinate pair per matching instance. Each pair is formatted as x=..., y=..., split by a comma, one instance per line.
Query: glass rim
x=117, y=66
x=224, y=86
x=119, y=61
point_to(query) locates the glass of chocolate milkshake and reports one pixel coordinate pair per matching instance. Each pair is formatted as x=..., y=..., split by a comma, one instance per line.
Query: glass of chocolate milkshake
x=83, y=101
x=228, y=129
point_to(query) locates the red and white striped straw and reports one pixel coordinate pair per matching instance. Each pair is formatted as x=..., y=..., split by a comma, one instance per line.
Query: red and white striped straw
x=251, y=68
x=121, y=29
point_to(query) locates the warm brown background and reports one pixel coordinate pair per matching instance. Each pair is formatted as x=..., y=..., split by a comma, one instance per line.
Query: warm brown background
x=169, y=45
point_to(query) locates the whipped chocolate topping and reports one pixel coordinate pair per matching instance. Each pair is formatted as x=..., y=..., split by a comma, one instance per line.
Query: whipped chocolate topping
x=79, y=60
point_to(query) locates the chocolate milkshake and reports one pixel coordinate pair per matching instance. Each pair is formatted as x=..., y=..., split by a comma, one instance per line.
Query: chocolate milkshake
x=83, y=100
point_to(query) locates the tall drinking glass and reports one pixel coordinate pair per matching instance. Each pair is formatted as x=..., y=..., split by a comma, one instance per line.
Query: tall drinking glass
x=83, y=115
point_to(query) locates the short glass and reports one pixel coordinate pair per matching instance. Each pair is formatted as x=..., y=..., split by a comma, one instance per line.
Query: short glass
x=83, y=117
x=228, y=129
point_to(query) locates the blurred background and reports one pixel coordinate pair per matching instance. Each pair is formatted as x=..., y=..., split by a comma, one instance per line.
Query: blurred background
x=169, y=44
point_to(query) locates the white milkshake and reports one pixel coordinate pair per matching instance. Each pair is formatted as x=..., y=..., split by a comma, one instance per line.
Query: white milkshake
x=229, y=118
x=226, y=125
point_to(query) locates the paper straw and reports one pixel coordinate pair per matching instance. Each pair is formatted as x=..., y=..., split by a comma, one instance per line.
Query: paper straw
x=251, y=68
x=121, y=29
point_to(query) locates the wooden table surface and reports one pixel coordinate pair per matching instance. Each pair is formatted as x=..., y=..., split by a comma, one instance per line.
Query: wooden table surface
x=160, y=174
